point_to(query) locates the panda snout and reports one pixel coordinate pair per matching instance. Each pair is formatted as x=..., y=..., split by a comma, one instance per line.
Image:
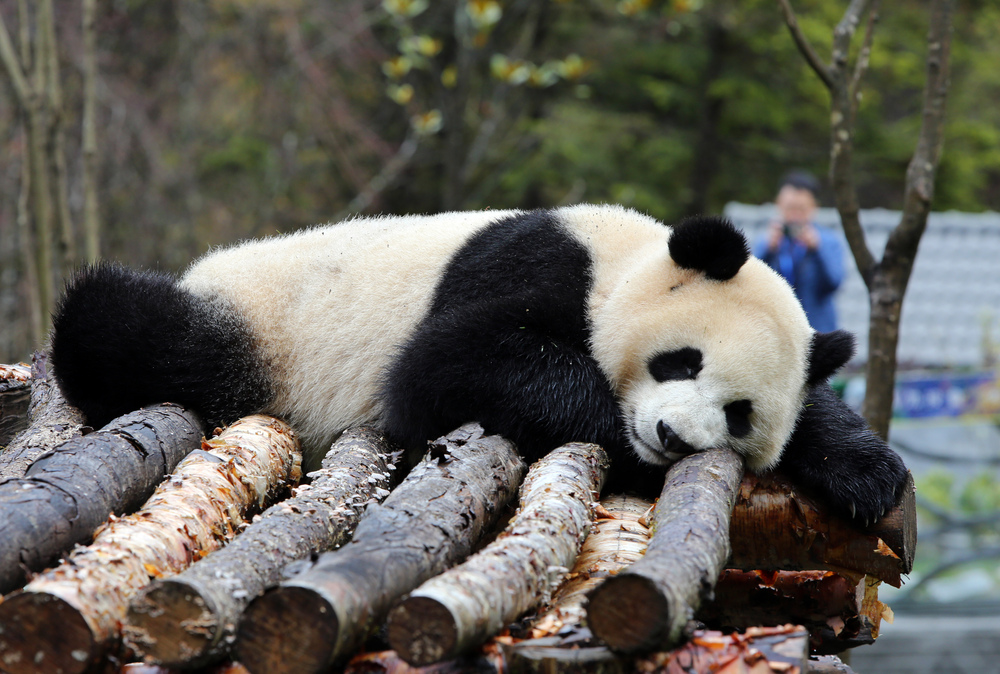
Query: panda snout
x=671, y=441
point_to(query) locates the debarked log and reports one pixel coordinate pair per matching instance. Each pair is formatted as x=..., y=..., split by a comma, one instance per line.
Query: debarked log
x=52, y=421
x=777, y=527
x=15, y=396
x=67, y=617
x=647, y=606
x=72, y=489
x=190, y=619
x=458, y=610
x=430, y=522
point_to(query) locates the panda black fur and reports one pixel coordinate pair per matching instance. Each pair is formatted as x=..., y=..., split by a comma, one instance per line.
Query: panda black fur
x=590, y=323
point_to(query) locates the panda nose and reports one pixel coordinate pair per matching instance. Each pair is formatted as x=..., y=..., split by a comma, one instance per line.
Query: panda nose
x=671, y=441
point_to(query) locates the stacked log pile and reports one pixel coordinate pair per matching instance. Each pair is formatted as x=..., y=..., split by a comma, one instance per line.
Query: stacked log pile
x=279, y=600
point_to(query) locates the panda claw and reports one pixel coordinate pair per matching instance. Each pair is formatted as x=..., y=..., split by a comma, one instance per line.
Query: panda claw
x=854, y=512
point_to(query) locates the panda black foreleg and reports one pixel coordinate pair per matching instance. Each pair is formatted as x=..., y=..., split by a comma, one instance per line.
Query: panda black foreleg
x=834, y=454
x=535, y=388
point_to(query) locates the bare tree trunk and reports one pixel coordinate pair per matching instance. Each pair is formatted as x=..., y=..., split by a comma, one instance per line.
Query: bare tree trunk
x=647, y=606
x=71, y=490
x=190, y=619
x=431, y=521
x=197, y=510
x=91, y=216
x=886, y=278
x=463, y=607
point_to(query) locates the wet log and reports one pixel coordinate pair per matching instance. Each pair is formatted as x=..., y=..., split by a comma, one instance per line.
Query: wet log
x=52, y=422
x=71, y=490
x=777, y=527
x=560, y=640
x=840, y=612
x=15, y=395
x=196, y=510
x=647, y=606
x=190, y=619
x=457, y=611
x=430, y=522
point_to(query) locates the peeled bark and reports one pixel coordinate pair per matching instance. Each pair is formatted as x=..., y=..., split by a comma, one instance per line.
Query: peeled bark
x=840, y=612
x=70, y=490
x=647, y=606
x=52, y=422
x=458, y=610
x=759, y=650
x=190, y=619
x=195, y=511
x=15, y=394
x=430, y=522
x=776, y=527
x=560, y=641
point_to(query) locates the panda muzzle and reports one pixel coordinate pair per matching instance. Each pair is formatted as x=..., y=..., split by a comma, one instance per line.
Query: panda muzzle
x=672, y=442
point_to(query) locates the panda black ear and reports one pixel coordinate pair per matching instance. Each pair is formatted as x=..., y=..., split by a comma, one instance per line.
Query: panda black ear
x=709, y=244
x=830, y=352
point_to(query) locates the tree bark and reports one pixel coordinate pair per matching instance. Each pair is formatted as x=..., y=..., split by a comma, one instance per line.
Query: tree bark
x=774, y=527
x=91, y=216
x=70, y=490
x=759, y=650
x=431, y=521
x=190, y=619
x=463, y=607
x=647, y=606
x=195, y=511
x=15, y=395
x=53, y=421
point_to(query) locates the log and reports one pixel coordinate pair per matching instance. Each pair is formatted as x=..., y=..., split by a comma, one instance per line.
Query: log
x=52, y=422
x=457, y=611
x=840, y=612
x=776, y=527
x=430, y=522
x=759, y=650
x=190, y=514
x=190, y=619
x=72, y=489
x=647, y=606
x=560, y=641
x=15, y=395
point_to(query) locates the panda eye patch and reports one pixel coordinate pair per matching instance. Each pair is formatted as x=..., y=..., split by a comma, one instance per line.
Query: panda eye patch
x=676, y=365
x=738, y=417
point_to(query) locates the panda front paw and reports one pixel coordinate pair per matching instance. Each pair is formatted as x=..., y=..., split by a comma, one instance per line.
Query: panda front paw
x=835, y=456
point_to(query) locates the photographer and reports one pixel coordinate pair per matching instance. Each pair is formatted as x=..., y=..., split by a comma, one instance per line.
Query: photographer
x=809, y=257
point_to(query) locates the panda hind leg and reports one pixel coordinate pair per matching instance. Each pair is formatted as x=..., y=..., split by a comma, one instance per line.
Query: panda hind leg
x=535, y=389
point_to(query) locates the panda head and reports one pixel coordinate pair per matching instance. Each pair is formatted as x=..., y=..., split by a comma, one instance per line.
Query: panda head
x=708, y=347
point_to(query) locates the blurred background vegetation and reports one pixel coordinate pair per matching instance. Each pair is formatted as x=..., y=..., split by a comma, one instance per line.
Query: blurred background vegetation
x=224, y=119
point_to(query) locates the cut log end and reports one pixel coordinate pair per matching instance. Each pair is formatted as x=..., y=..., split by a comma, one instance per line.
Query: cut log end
x=27, y=619
x=181, y=618
x=423, y=631
x=289, y=629
x=629, y=613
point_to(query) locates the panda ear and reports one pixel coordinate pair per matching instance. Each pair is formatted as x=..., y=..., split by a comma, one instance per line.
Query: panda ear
x=709, y=244
x=830, y=351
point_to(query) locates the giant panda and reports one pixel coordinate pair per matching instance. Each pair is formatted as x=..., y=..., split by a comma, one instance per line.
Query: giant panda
x=591, y=322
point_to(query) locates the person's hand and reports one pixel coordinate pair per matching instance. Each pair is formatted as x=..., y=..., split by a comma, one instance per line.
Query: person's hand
x=775, y=232
x=806, y=234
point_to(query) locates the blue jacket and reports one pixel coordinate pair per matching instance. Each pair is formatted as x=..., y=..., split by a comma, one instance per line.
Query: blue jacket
x=814, y=274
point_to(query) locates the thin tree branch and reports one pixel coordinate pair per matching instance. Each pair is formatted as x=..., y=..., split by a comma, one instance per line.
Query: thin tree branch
x=812, y=58
x=920, y=174
x=91, y=215
x=854, y=87
x=10, y=61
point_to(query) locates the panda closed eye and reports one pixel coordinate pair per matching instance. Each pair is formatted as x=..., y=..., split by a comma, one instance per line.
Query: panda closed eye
x=676, y=365
x=738, y=417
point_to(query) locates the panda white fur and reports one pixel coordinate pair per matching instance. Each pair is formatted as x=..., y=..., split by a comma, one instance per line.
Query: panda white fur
x=591, y=323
